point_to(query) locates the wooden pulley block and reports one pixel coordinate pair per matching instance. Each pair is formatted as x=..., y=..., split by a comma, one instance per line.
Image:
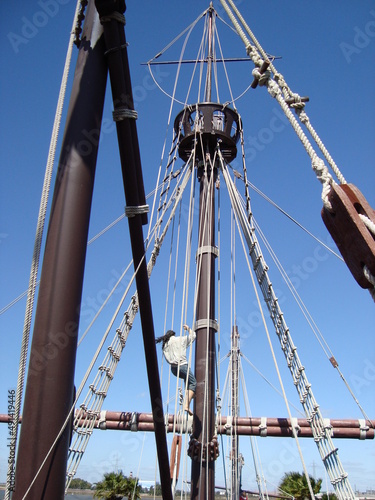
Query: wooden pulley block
x=354, y=240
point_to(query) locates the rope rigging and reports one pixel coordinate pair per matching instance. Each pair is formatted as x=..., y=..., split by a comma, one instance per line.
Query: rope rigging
x=323, y=440
x=342, y=205
x=99, y=388
x=313, y=326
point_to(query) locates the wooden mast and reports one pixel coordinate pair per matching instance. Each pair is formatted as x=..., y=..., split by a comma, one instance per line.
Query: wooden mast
x=203, y=468
x=50, y=382
x=206, y=128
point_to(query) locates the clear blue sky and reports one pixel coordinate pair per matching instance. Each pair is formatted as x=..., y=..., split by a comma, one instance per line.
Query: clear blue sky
x=328, y=52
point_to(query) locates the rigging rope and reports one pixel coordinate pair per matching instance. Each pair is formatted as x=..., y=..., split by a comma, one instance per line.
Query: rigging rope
x=313, y=326
x=277, y=368
x=115, y=359
x=323, y=440
x=288, y=100
x=299, y=106
x=94, y=238
x=36, y=252
x=319, y=336
x=264, y=196
x=253, y=442
x=172, y=97
x=96, y=394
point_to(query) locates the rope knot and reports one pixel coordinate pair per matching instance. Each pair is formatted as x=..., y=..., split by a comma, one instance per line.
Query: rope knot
x=303, y=116
x=298, y=103
x=261, y=78
x=325, y=178
x=280, y=80
x=273, y=88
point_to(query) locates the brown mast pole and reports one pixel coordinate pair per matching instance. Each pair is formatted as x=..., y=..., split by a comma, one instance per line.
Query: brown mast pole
x=111, y=15
x=203, y=472
x=50, y=383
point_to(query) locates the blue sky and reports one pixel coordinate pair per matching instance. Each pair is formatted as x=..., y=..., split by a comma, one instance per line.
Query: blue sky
x=327, y=52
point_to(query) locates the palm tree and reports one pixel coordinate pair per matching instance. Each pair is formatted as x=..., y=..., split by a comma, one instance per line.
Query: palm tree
x=116, y=486
x=295, y=484
x=134, y=488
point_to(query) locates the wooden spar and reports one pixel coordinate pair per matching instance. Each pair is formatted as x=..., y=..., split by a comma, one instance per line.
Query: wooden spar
x=175, y=460
x=244, y=426
x=234, y=364
x=124, y=115
x=50, y=383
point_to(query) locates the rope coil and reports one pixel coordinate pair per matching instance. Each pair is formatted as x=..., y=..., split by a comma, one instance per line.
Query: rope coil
x=114, y=16
x=139, y=210
x=115, y=49
x=120, y=114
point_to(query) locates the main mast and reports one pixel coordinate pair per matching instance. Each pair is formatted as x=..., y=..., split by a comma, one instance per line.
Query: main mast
x=203, y=473
x=205, y=129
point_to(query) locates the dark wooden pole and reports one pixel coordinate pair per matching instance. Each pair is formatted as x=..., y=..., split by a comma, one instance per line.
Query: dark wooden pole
x=50, y=382
x=203, y=475
x=203, y=472
x=116, y=48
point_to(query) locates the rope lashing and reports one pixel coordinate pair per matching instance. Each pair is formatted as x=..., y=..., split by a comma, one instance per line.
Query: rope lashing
x=301, y=113
x=207, y=249
x=120, y=114
x=368, y=275
x=80, y=18
x=113, y=16
x=368, y=223
x=114, y=49
x=138, y=210
x=206, y=323
x=352, y=235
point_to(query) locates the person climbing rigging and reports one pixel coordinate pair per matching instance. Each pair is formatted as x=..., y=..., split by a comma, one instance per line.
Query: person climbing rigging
x=174, y=350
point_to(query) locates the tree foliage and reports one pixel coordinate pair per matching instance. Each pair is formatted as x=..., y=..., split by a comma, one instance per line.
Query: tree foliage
x=295, y=484
x=79, y=484
x=116, y=486
x=156, y=490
